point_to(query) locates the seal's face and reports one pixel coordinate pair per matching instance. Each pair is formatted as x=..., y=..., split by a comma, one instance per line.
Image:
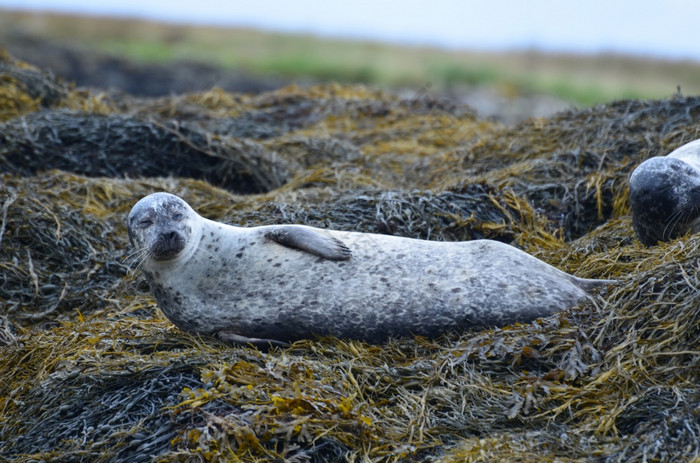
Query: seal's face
x=161, y=226
x=665, y=198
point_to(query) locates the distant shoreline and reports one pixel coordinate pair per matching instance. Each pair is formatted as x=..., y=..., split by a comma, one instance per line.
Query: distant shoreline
x=447, y=25
x=581, y=79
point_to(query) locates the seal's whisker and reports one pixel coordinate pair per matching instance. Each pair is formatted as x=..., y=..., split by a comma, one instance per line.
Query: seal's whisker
x=135, y=253
x=680, y=221
x=137, y=257
x=671, y=223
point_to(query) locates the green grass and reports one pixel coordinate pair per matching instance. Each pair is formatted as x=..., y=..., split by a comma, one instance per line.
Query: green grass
x=156, y=52
x=582, y=79
x=451, y=74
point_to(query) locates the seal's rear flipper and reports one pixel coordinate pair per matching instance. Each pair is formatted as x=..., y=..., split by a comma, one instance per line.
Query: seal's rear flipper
x=309, y=240
x=234, y=338
x=587, y=284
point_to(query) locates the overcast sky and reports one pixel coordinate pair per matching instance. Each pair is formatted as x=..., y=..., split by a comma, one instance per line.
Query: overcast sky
x=667, y=28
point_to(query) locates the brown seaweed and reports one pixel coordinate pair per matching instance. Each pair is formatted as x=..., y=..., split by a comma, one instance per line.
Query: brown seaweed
x=574, y=166
x=90, y=370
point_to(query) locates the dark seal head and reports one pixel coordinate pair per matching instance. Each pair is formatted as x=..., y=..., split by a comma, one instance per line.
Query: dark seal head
x=160, y=226
x=665, y=195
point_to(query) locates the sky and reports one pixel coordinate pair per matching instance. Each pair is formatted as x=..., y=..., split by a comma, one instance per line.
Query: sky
x=661, y=28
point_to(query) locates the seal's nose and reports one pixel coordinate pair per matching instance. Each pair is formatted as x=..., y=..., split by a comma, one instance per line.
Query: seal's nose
x=169, y=236
x=168, y=245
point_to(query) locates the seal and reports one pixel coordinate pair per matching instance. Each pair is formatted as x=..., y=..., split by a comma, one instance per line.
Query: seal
x=665, y=195
x=279, y=283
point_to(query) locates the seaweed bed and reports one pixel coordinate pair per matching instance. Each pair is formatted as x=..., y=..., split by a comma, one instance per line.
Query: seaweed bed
x=90, y=370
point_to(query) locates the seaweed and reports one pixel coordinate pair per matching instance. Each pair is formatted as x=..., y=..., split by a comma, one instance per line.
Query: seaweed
x=123, y=146
x=574, y=167
x=90, y=369
x=474, y=211
x=24, y=88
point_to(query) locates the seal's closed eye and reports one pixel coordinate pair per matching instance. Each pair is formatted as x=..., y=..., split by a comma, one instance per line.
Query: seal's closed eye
x=310, y=241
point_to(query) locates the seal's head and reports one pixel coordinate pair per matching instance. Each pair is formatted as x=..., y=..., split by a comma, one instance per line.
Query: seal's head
x=665, y=199
x=162, y=226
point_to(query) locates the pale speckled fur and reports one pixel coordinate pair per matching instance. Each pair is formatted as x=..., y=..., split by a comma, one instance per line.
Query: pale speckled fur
x=237, y=283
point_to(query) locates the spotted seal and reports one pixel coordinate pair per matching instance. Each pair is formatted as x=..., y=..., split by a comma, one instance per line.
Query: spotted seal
x=665, y=195
x=280, y=283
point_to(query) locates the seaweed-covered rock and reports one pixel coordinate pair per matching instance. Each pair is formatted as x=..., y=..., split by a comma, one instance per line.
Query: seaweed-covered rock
x=124, y=146
x=574, y=167
x=90, y=370
x=24, y=88
x=473, y=211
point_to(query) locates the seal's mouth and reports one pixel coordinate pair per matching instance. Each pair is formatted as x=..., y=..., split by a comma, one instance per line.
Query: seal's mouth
x=168, y=245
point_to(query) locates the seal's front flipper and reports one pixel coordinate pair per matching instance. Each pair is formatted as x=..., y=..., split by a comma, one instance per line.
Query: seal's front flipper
x=234, y=338
x=309, y=240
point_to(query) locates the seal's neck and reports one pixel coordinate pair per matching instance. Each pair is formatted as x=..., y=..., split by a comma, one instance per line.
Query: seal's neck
x=207, y=224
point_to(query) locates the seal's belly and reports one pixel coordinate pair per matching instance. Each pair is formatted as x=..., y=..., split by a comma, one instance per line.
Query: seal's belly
x=398, y=288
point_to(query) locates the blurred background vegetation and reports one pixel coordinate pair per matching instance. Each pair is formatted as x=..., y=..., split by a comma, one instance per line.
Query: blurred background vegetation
x=579, y=80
